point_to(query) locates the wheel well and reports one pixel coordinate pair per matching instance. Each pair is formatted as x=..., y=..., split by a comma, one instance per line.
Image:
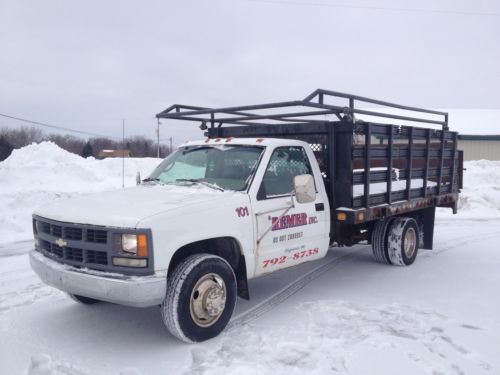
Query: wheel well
x=227, y=248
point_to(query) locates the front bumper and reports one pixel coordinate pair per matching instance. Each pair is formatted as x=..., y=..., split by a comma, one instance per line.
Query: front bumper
x=138, y=291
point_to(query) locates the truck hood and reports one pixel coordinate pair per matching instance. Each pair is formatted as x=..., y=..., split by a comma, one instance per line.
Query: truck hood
x=125, y=208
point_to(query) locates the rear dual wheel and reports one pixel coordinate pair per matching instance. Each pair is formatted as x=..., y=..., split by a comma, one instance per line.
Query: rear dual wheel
x=396, y=241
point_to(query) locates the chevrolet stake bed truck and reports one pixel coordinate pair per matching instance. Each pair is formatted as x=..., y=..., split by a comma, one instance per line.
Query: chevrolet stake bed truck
x=272, y=186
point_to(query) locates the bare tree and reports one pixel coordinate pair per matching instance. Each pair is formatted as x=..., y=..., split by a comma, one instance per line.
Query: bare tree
x=22, y=137
x=139, y=146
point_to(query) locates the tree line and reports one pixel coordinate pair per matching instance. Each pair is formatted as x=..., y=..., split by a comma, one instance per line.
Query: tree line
x=139, y=146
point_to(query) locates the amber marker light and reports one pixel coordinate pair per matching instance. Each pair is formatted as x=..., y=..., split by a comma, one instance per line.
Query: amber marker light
x=341, y=216
x=142, y=245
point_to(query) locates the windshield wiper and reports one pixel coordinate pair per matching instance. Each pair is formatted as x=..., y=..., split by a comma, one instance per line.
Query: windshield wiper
x=196, y=181
x=151, y=179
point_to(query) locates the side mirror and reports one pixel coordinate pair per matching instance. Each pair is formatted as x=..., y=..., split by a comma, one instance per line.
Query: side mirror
x=138, y=178
x=305, y=191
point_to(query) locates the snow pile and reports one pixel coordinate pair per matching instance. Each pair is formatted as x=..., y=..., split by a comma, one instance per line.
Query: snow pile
x=481, y=193
x=39, y=173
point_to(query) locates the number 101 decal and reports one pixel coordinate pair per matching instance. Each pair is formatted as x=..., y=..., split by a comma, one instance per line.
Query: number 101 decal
x=242, y=211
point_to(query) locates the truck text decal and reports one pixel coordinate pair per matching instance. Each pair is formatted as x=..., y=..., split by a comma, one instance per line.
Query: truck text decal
x=291, y=221
x=292, y=257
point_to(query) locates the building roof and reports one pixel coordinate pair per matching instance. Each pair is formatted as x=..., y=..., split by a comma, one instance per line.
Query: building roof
x=476, y=137
x=114, y=154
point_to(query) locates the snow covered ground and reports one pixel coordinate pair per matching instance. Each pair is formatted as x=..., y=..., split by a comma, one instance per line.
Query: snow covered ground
x=344, y=314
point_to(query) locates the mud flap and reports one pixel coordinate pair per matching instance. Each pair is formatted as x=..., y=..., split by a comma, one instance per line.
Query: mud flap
x=427, y=216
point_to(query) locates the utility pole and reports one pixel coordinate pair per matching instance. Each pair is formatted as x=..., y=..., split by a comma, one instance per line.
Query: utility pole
x=170, y=144
x=158, y=139
x=123, y=154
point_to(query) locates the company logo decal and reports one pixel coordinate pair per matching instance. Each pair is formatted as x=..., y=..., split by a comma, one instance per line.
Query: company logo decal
x=60, y=242
x=291, y=221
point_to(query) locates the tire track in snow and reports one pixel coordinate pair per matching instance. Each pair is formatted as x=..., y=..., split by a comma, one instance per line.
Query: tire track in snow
x=21, y=287
x=460, y=242
x=286, y=292
x=16, y=248
x=296, y=285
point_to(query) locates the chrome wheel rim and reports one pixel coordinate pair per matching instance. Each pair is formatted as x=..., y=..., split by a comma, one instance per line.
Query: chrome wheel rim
x=208, y=300
x=410, y=242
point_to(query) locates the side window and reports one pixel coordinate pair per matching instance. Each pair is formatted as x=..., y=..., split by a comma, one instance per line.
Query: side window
x=285, y=164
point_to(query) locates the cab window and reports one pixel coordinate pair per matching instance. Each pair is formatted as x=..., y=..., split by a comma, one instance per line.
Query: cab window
x=284, y=165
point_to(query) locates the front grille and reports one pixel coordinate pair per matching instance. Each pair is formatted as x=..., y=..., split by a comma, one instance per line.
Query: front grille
x=97, y=257
x=43, y=227
x=72, y=243
x=84, y=245
x=46, y=245
x=56, y=230
x=52, y=248
x=73, y=233
x=73, y=254
x=57, y=250
x=97, y=236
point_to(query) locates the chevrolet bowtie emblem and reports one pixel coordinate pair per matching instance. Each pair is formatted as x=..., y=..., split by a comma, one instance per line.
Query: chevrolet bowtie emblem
x=60, y=242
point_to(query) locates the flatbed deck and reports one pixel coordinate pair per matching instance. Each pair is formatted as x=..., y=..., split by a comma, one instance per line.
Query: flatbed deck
x=425, y=161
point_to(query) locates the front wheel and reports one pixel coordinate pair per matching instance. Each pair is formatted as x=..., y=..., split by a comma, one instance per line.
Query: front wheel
x=201, y=294
x=83, y=299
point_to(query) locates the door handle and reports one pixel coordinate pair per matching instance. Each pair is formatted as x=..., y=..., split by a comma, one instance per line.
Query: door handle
x=320, y=206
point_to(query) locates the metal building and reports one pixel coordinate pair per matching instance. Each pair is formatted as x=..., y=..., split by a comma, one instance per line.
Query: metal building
x=478, y=147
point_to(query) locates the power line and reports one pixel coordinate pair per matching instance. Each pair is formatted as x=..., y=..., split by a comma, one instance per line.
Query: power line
x=366, y=7
x=56, y=127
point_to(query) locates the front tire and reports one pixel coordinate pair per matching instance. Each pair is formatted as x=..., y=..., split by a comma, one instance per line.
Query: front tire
x=201, y=295
x=403, y=241
x=82, y=299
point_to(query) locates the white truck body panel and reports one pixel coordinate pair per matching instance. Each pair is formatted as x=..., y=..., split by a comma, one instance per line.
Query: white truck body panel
x=180, y=215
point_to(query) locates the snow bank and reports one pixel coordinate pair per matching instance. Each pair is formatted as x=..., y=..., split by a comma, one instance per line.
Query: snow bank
x=481, y=193
x=39, y=173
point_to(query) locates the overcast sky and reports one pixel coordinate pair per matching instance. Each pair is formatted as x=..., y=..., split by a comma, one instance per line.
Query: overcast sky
x=90, y=64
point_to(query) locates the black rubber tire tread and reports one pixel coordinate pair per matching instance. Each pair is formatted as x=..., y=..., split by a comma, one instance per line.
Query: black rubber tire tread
x=379, y=240
x=176, y=316
x=395, y=246
x=83, y=300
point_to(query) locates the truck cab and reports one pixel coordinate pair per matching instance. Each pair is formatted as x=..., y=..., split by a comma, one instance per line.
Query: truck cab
x=231, y=199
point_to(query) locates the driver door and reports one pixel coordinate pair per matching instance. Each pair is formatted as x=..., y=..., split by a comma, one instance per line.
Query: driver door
x=288, y=232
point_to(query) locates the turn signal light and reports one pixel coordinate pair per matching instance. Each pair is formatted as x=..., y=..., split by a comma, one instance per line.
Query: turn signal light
x=341, y=216
x=142, y=245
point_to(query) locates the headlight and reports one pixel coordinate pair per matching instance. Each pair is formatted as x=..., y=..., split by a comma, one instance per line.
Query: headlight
x=132, y=244
x=129, y=243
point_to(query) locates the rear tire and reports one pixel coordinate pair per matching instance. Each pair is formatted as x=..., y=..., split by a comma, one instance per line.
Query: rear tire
x=201, y=294
x=82, y=299
x=379, y=241
x=403, y=241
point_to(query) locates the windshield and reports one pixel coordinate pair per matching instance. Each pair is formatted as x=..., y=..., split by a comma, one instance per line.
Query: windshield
x=222, y=166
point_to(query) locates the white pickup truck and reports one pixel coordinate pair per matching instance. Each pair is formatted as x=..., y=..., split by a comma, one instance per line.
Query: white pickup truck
x=211, y=216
